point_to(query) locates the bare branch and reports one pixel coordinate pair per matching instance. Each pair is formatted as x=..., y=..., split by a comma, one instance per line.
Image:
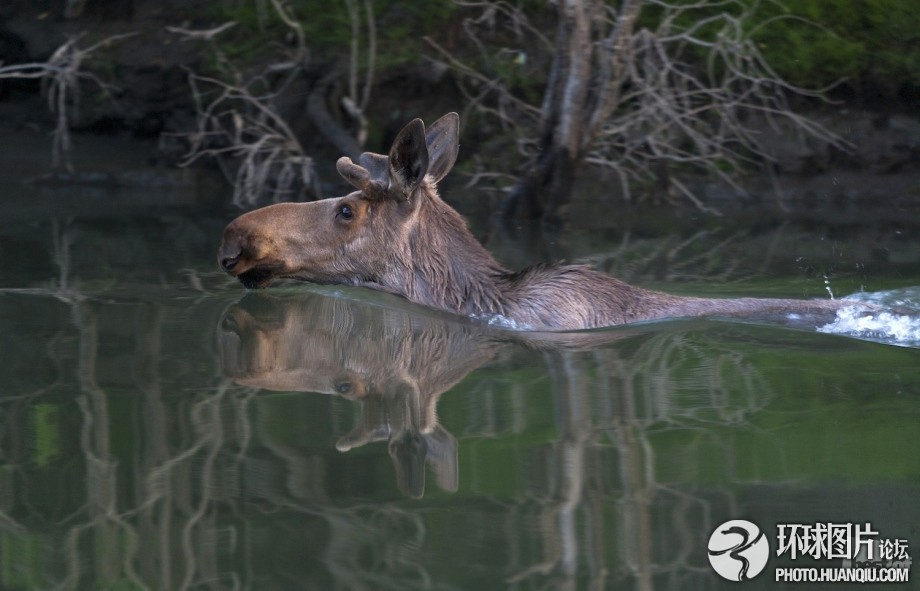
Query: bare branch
x=637, y=99
x=356, y=101
x=282, y=11
x=204, y=35
x=60, y=78
x=491, y=84
x=237, y=125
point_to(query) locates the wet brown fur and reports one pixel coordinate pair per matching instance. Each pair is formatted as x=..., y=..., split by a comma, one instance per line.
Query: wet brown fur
x=402, y=238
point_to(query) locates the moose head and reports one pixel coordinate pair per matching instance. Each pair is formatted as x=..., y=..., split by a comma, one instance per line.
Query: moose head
x=358, y=239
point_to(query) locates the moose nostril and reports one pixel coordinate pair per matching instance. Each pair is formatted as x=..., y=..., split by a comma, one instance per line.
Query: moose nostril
x=230, y=325
x=229, y=254
x=229, y=262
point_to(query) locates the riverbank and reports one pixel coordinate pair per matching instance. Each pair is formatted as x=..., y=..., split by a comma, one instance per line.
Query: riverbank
x=147, y=98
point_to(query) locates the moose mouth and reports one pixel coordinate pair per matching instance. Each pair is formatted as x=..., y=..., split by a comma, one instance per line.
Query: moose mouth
x=256, y=278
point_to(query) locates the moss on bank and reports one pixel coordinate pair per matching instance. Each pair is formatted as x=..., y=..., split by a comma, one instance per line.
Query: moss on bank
x=868, y=44
x=398, y=27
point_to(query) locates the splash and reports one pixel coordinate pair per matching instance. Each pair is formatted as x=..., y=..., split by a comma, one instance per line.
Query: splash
x=499, y=321
x=898, y=323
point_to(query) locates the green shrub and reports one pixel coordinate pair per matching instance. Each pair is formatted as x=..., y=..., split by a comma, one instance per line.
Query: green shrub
x=399, y=25
x=869, y=43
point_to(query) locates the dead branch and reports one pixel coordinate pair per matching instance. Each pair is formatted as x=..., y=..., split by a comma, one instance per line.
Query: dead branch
x=288, y=19
x=356, y=102
x=204, y=34
x=240, y=128
x=640, y=101
x=258, y=151
x=60, y=79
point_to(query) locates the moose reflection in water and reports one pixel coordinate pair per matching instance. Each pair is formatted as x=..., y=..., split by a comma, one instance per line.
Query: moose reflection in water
x=394, y=365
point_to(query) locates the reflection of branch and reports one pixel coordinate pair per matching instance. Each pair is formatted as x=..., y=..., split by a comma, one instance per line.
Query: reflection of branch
x=101, y=469
x=689, y=384
x=573, y=416
x=701, y=257
x=356, y=530
x=207, y=420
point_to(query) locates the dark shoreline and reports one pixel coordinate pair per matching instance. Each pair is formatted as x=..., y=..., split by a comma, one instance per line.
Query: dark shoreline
x=152, y=100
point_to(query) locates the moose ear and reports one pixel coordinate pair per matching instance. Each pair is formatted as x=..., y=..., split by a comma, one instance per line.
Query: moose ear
x=443, y=141
x=408, y=451
x=442, y=456
x=409, y=158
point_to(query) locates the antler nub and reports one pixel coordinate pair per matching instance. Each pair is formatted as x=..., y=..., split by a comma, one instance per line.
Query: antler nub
x=354, y=174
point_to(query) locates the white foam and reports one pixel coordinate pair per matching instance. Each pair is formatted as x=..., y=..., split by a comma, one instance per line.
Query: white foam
x=886, y=327
x=499, y=321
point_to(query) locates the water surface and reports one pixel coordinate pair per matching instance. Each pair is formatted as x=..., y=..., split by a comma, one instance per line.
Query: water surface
x=162, y=429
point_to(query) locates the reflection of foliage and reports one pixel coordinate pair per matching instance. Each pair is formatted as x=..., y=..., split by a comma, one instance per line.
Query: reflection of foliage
x=675, y=379
x=704, y=256
x=208, y=483
x=18, y=567
x=47, y=440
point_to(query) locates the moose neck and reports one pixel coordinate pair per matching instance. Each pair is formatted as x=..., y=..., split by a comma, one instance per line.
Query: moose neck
x=444, y=266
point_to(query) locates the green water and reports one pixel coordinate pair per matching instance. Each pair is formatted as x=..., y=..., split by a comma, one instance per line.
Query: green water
x=160, y=429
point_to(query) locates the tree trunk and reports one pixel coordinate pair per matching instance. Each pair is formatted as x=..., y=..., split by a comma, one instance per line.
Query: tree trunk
x=581, y=93
x=543, y=189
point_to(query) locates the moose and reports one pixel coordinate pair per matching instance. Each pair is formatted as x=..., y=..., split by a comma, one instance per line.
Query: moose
x=395, y=234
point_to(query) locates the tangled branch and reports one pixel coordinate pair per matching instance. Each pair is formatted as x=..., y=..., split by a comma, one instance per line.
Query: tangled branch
x=682, y=117
x=60, y=78
x=241, y=128
x=252, y=143
x=693, y=93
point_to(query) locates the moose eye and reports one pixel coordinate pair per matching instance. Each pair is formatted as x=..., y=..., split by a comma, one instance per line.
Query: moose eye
x=346, y=213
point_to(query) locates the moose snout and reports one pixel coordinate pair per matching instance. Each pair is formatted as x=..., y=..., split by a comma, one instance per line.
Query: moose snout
x=241, y=256
x=257, y=246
